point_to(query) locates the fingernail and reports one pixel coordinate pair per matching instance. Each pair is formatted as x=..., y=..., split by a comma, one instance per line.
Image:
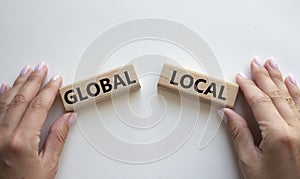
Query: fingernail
x=24, y=70
x=39, y=67
x=292, y=79
x=55, y=77
x=273, y=63
x=2, y=88
x=258, y=61
x=242, y=75
x=222, y=115
x=72, y=119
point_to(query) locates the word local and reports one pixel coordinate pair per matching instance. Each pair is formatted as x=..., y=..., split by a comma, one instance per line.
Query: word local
x=84, y=93
x=208, y=89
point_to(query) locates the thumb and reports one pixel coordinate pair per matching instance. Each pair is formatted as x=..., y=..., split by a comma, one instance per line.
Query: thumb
x=56, y=139
x=241, y=137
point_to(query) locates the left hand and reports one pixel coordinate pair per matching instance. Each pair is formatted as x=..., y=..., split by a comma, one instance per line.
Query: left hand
x=23, y=110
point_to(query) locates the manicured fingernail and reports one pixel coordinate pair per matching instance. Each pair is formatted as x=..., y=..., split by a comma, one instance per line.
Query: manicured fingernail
x=2, y=88
x=258, y=61
x=222, y=115
x=24, y=70
x=72, y=119
x=292, y=79
x=39, y=67
x=55, y=77
x=242, y=75
x=273, y=63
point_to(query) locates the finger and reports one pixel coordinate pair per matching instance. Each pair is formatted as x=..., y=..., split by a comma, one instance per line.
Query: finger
x=293, y=89
x=265, y=83
x=242, y=138
x=37, y=110
x=24, y=96
x=10, y=92
x=261, y=104
x=3, y=88
x=56, y=139
x=276, y=77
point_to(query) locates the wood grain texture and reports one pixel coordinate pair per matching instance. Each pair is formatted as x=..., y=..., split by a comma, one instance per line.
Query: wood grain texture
x=179, y=80
x=99, y=88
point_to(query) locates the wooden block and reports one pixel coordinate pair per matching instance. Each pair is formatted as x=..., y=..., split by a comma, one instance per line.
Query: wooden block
x=99, y=88
x=209, y=89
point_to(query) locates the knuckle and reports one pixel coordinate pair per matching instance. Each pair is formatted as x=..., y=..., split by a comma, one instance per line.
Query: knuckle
x=51, y=85
x=287, y=140
x=34, y=78
x=61, y=137
x=59, y=134
x=290, y=102
x=37, y=103
x=260, y=74
x=259, y=98
x=296, y=94
x=235, y=132
x=16, y=144
x=19, y=82
x=277, y=76
x=19, y=99
x=276, y=95
x=4, y=106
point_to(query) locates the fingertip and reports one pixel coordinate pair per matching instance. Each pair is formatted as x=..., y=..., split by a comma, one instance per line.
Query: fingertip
x=40, y=66
x=56, y=79
x=26, y=70
x=240, y=77
x=271, y=64
x=2, y=88
x=221, y=115
x=257, y=62
x=233, y=117
x=7, y=88
x=291, y=79
x=69, y=118
x=72, y=119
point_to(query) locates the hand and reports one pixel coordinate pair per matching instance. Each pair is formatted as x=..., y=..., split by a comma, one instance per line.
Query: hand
x=23, y=110
x=275, y=104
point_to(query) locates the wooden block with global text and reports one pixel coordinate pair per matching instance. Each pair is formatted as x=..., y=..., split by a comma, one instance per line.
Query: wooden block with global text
x=187, y=82
x=99, y=88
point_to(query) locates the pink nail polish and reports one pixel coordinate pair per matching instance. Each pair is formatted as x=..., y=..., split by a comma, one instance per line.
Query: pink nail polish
x=39, y=67
x=292, y=79
x=55, y=77
x=242, y=75
x=72, y=119
x=221, y=114
x=24, y=70
x=258, y=61
x=273, y=63
x=2, y=88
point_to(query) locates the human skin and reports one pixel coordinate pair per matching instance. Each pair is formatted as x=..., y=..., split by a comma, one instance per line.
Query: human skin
x=275, y=104
x=23, y=110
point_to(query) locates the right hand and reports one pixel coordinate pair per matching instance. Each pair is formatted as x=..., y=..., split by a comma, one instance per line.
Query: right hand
x=275, y=104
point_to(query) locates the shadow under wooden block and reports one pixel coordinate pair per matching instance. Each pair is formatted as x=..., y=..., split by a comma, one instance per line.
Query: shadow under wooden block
x=102, y=87
x=193, y=84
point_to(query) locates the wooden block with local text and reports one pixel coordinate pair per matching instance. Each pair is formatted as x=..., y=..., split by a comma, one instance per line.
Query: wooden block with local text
x=187, y=82
x=99, y=88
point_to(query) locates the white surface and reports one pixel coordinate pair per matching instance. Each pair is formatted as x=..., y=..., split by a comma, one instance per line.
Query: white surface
x=58, y=32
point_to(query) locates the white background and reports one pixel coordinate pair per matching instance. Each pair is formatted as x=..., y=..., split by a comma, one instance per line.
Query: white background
x=58, y=32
